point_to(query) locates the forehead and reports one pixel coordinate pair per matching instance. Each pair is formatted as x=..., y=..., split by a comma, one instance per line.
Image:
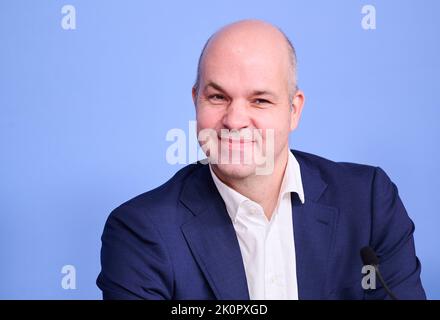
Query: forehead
x=247, y=68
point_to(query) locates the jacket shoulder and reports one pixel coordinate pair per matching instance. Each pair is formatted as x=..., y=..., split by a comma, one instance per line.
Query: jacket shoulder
x=328, y=167
x=161, y=202
x=338, y=173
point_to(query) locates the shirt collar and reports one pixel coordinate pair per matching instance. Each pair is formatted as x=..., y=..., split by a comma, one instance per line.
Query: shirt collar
x=232, y=199
x=291, y=183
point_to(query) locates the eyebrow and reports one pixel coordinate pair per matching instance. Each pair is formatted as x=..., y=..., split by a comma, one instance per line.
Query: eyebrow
x=253, y=93
x=263, y=93
x=215, y=86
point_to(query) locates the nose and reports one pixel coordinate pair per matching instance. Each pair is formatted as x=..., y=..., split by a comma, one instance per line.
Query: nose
x=236, y=116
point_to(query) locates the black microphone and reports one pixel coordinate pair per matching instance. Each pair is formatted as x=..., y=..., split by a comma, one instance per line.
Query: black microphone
x=370, y=258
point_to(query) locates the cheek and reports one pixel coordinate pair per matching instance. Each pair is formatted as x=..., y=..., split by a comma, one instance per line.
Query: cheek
x=208, y=117
x=272, y=121
x=203, y=119
x=280, y=127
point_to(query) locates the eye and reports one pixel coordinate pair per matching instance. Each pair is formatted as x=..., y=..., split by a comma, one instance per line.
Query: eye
x=216, y=97
x=261, y=101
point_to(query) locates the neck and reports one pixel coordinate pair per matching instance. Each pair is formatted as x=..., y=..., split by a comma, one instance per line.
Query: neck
x=263, y=189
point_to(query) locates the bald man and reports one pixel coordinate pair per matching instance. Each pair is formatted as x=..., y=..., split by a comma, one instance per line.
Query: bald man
x=257, y=220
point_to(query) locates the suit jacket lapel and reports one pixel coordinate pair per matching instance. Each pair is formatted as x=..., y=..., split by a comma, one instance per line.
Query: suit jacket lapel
x=212, y=239
x=314, y=230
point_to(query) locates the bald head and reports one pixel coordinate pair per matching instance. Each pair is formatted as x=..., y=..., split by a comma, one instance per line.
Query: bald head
x=250, y=38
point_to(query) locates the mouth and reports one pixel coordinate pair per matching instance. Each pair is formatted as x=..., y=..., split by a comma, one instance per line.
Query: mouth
x=241, y=141
x=232, y=143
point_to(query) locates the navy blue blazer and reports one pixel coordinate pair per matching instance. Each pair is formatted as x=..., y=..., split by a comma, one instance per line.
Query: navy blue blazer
x=178, y=242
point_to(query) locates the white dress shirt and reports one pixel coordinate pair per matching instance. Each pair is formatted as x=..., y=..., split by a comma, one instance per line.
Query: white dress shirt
x=267, y=247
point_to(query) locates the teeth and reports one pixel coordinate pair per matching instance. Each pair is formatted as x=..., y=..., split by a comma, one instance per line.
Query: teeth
x=238, y=140
x=236, y=136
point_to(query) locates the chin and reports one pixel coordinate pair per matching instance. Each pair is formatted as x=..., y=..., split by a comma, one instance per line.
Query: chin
x=236, y=171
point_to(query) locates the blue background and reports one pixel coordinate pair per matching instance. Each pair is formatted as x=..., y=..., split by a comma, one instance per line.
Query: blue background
x=84, y=114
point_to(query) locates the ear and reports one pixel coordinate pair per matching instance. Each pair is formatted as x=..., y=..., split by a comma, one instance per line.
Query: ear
x=297, y=104
x=194, y=95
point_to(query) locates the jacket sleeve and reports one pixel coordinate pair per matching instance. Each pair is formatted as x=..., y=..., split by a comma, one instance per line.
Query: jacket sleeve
x=134, y=261
x=392, y=239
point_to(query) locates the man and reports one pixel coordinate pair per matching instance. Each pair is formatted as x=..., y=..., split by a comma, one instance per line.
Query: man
x=228, y=231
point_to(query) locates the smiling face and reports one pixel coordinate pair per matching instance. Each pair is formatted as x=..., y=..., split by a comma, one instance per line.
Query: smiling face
x=244, y=85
